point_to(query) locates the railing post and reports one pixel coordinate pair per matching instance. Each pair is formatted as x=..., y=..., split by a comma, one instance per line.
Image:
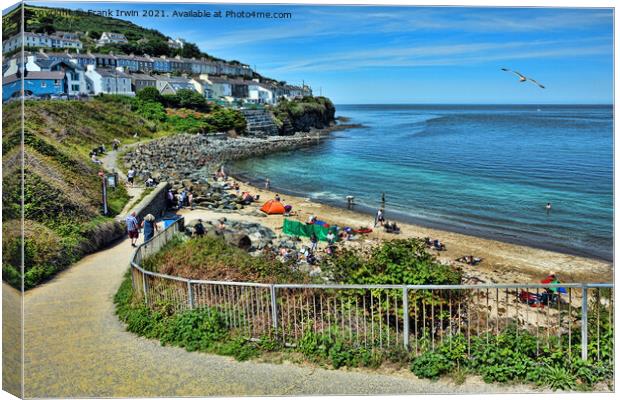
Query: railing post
x=406, y=317
x=274, y=308
x=144, y=288
x=190, y=295
x=584, y=322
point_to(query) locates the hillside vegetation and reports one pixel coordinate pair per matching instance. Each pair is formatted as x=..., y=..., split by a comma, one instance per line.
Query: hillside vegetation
x=301, y=115
x=62, y=191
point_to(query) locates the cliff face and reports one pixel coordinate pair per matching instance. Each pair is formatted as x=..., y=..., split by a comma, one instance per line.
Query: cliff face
x=304, y=114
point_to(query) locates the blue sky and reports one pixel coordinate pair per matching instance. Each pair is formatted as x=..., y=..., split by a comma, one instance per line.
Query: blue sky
x=410, y=54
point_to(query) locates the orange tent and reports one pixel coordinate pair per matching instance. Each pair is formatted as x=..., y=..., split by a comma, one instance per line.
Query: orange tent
x=272, y=207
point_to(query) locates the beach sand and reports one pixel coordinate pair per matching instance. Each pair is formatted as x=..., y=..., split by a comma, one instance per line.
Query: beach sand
x=502, y=262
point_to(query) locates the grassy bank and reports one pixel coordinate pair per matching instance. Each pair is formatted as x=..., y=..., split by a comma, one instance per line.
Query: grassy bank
x=63, y=218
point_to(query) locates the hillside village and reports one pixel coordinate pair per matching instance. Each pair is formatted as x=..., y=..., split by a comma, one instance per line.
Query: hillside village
x=55, y=66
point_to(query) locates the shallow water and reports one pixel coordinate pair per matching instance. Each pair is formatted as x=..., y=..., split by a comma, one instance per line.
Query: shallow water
x=482, y=170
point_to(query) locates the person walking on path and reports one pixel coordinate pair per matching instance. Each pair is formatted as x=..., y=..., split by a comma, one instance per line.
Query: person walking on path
x=149, y=226
x=132, y=228
x=131, y=174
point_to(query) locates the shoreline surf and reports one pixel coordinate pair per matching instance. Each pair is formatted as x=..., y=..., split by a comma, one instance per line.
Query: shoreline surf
x=400, y=217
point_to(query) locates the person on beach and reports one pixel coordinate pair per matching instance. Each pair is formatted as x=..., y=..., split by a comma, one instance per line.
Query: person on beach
x=149, y=226
x=199, y=229
x=267, y=183
x=277, y=197
x=170, y=198
x=314, y=242
x=131, y=174
x=132, y=228
x=330, y=237
x=548, y=207
x=380, y=218
x=190, y=200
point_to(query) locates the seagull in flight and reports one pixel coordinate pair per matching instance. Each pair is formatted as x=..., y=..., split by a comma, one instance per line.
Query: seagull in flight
x=523, y=78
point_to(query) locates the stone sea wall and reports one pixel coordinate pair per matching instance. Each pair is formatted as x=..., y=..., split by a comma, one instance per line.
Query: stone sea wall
x=185, y=156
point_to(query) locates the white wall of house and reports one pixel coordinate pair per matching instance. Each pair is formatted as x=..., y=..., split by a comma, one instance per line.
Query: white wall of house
x=221, y=89
x=109, y=84
x=259, y=94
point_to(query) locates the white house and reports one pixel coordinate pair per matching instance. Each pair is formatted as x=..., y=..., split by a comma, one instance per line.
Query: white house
x=177, y=43
x=109, y=81
x=31, y=39
x=260, y=93
x=111, y=38
x=220, y=88
x=171, y=85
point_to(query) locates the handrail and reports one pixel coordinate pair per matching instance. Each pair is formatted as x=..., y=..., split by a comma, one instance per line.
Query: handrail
x=271, y=308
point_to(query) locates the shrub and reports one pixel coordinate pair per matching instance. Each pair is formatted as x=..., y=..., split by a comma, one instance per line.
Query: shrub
x=194, y=329
x=149, y=94
x=402, y=261
x=431, y=365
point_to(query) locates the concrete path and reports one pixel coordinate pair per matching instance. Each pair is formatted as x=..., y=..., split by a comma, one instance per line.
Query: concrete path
x=76, y=347
x=110, y=163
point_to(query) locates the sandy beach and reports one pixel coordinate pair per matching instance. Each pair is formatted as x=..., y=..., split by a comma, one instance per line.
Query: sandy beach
x=502, y=262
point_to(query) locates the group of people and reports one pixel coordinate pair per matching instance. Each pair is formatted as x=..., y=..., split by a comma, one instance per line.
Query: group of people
x=148, y=225
x=94, y=153
x=434, y=244
x=470, y=260
x=185, y=198
x=132, y=173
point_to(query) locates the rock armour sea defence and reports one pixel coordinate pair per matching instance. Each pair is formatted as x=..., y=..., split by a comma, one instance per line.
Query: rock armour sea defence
x=183, y=156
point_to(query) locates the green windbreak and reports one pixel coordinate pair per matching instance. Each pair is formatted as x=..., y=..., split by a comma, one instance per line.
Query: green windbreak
x=296, y=228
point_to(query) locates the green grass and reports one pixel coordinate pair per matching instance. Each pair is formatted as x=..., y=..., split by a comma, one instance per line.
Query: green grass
x=62, y=189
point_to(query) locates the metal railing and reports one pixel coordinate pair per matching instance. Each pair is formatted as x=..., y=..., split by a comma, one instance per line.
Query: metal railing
x=416, y=317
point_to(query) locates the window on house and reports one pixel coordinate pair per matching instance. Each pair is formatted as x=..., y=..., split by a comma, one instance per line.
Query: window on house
x=43, y=84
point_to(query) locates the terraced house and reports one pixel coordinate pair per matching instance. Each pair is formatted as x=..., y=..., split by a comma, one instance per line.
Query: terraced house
x=32, y=39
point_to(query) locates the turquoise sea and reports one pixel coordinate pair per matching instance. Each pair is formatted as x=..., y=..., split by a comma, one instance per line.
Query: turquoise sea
x=482, y=170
